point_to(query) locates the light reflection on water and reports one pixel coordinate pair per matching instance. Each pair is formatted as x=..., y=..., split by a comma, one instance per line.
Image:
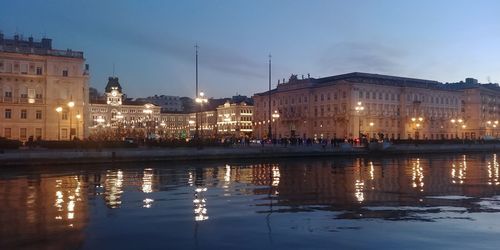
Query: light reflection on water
x=276, y=204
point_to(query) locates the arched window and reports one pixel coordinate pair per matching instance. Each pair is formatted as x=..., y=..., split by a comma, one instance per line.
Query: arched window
x=38, y=92
x=23, y=91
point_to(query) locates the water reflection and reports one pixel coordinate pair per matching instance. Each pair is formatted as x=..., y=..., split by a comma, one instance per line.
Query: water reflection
x=52, y=204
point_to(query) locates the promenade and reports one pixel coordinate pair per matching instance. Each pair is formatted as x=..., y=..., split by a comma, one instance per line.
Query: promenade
x=254, y=151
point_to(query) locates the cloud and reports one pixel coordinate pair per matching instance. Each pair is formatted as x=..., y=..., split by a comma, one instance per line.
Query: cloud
x=365, y=57
x=211, y=57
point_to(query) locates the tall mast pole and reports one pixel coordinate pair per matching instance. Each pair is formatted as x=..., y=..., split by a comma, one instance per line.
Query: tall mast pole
x=269, y=101
x=196, y=135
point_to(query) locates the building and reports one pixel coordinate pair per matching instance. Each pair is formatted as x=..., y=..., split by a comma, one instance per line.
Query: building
x=117, y=118
x=35, y=81
x=481, y=109
x=235, y=120
x=359, y=104
x=166, y=102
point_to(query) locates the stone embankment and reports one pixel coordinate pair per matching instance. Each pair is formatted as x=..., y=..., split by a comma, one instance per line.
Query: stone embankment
x=61, y=157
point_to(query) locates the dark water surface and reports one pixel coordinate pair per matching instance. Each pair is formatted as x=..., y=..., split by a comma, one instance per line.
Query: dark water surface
x=429, y=202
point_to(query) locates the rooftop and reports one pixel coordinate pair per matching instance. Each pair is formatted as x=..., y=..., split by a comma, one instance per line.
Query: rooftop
x=43, y=47
x=360, y=77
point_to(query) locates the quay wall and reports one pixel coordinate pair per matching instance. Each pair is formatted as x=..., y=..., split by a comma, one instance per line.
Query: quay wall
x=63, y=157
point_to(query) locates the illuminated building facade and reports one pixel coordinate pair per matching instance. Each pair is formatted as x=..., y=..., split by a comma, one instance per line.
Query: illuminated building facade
x=115, y=118
x=235, y=119
x=356, y=104
x=35, y=81
x=481, y=109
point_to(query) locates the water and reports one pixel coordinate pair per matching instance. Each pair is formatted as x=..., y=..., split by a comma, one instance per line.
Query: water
x=429, y=202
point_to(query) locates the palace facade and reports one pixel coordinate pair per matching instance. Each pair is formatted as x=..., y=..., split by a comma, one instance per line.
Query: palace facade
x=372, y=105
x=43, y=91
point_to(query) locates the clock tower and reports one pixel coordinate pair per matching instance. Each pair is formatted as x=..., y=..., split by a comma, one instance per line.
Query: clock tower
x=113, y=92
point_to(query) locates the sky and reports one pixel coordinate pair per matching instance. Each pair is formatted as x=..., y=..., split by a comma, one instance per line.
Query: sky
x=151, y=43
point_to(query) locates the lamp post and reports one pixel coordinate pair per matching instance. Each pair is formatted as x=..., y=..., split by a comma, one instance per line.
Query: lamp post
x=163, y=124
x=119, y=116
x=456, y=123
x=275, y=116
x=148, y=112
x=371, y=127
x=495, y=125
x=70, y=104
x=78, y=117
x=417, y=122
x=200, y=99
x=191, y=123
x=463, y=129
x=359, y=108
x=269, y=101
x=59, y=110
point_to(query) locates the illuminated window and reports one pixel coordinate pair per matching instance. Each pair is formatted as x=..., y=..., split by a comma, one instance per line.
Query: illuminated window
x=38, y=133
x=22, y=133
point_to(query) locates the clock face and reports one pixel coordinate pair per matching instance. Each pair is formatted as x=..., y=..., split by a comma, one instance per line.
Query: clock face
x=113, y=93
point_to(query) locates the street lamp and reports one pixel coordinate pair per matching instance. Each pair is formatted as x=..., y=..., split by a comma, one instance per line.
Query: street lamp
x=70, y=104
x=191, y=123
x=371, y=126
x=163, y=124
x=417, y=124
x=78, y=117
x=148, y=112
x=119, y=116
x=359, y=107
x=457, y=123
x=200, y=99
x=495, y=128
x=59, y=110
x=275, y=116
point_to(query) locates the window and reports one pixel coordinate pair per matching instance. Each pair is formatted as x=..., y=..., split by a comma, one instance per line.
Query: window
x=64, y=115
x=65, y=72
x=8, y=113
x=38, y=115
x=24, y=68
x=31, y=93
x=8, y=92
x=64, y=133
x=38, y=133
x=22, y=133
x=7, y=133
x=39, y=70
x=24, y=113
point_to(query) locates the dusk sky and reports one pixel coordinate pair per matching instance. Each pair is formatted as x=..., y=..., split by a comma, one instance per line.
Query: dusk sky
x=152, y=42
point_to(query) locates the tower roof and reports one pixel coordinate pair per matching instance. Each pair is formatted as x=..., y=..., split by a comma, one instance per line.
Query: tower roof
x=113, y=84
